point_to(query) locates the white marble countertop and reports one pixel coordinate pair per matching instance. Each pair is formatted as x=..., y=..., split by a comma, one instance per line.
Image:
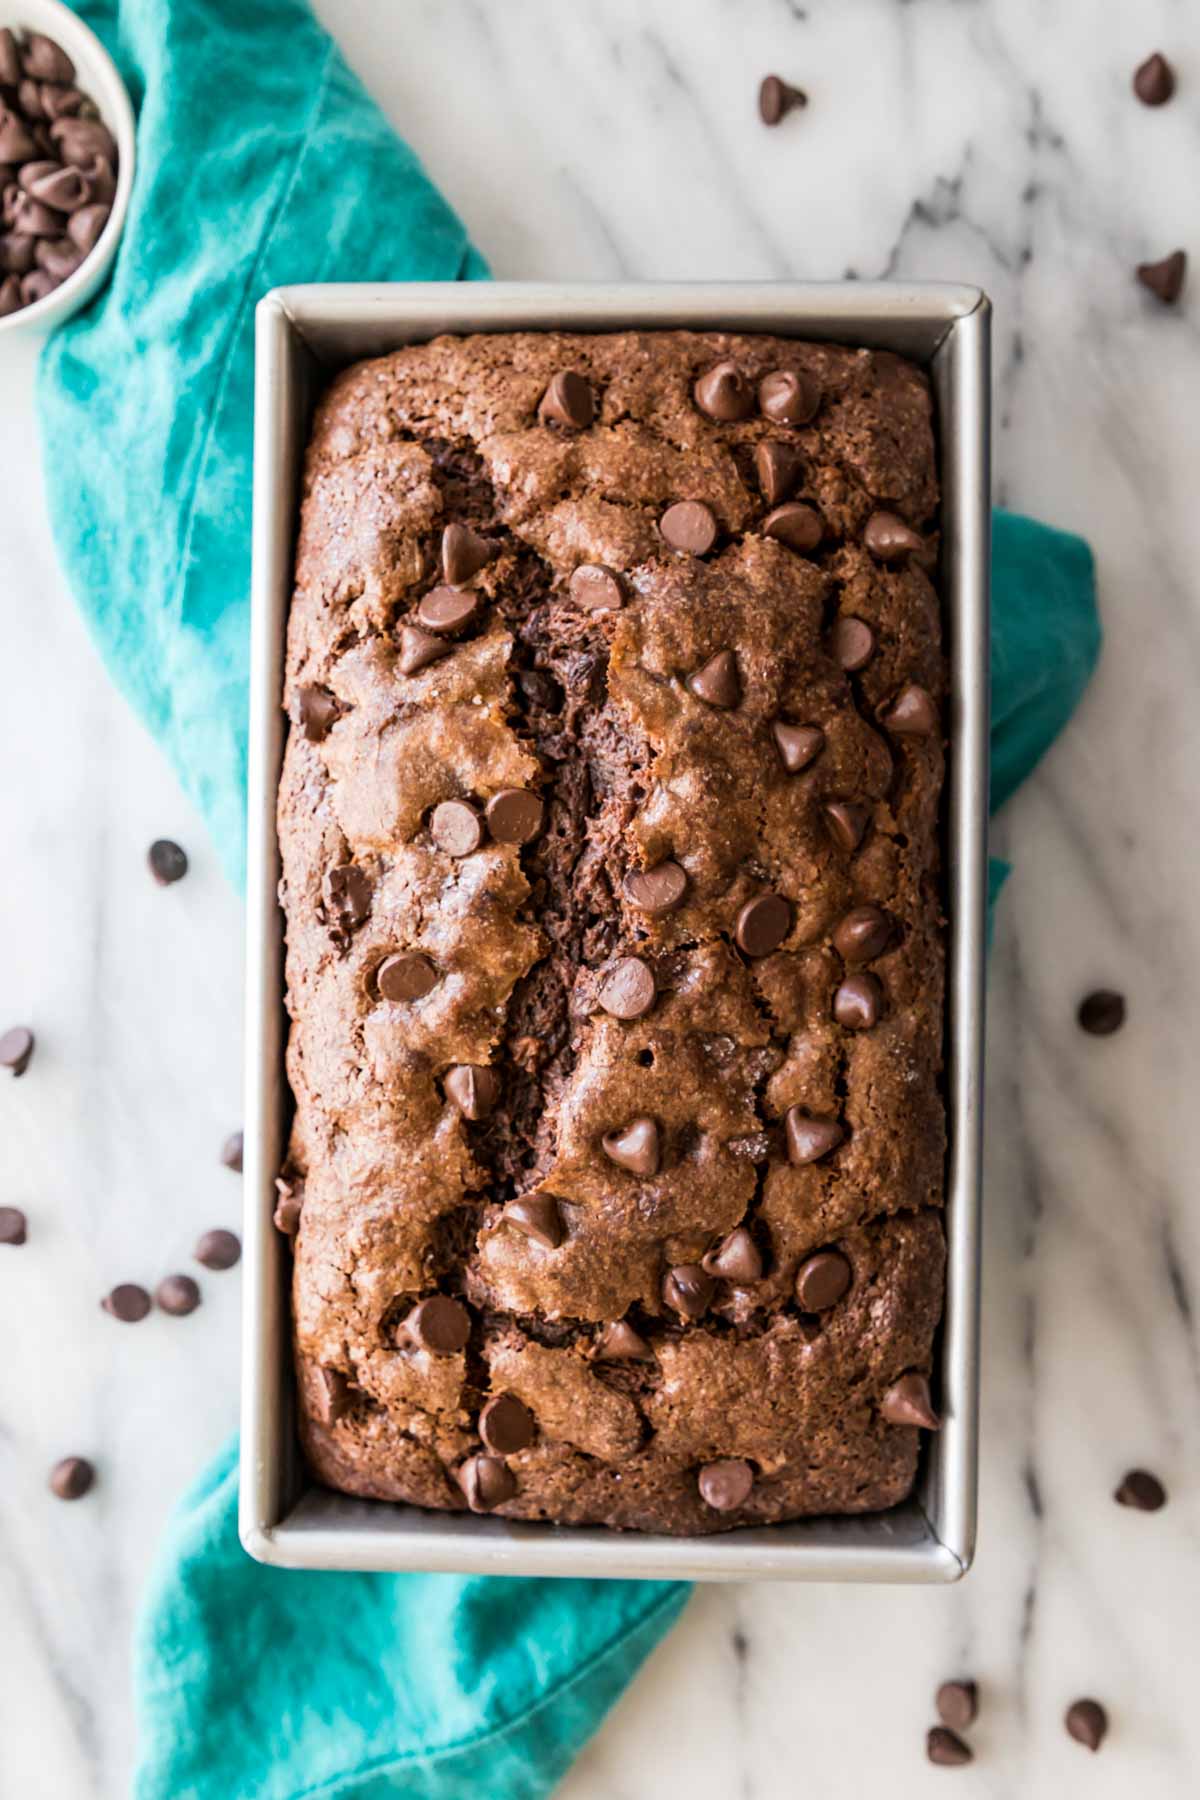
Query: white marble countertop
x=996, y=143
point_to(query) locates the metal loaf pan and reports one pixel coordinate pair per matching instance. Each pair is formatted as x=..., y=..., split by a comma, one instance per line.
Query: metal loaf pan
x=306, y=333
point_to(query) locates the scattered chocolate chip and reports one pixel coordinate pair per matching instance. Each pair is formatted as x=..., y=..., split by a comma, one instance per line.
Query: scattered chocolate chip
x=418, y=649
x=635, y=1147
x=809, y=1139
x=957, y=1704
x=595, y=589
x=506, y=1425
x=168, y=862
x=946, y=1748
x=456, y=827
x=777, y=466
x=776, y=99
x=537, y=1216
x=689, y=526
x=887, y=537
x=858, y=1002
x=13, y=1225
x=736, y=1259
x=330, y=1391
x=798, y=745
x=822, y=1280
x=127, y=1302
x=232, y=1151
x=1102, y=1013
x=1087, y=1722
x=725, y=1485
x=178, y=1295
x=447, y=611
x=44, y=60
x=288, y=1206
x=71, y=1478
x=440, y=1325
x=788, y=397
x=717, y=683
x=1141, y=1490
x=852, y=643
x=908, y=1402
x=567, y=401
x=657, y=891
x=762, y=924
x=1154, y=80
x=486, y=1482
x=406, y=976
x=863, y=934
x=847, y=821
x=619, y=1342
x=474, y=1088
x=218, y=1250
x=795, y=525
x=347, y=892
x=723, y=393
x=688, y=1289
x=629, y=990
x=911, y=713
x=316, y=712
x=1164, y=279
x=16, y=1049
x=515, y=816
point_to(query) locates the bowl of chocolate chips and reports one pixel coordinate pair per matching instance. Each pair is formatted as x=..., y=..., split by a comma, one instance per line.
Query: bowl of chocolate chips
x=66, y=164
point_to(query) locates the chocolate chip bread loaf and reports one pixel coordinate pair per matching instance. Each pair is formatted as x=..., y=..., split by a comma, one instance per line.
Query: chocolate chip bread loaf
x=609, y=832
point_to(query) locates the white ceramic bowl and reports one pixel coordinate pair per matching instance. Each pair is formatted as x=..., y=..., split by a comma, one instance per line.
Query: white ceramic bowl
x=96, y=74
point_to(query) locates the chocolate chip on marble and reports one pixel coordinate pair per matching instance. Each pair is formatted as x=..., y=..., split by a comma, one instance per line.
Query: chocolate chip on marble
x=86, y=227
x=406, y=976
x=447, y=611
x=736, y=1259
x=1087, y=1722
x=168, y=861
x=863, y=934
x=178, y=1295
x=568, y=401
x=10, y=59
x=852, y=643
x=725, y=1485
x=798, y=745
x=723, y=393
x=1102, y=1013
x=788, y=397
x=44, y=60
x=71, y=1478
x=688, y=1289
x=13, y=1225
x=689, y=526
x=847, y=821
x=440, y=1325
x=912, y=713
x=418, y=649
x=629, y=990
x=330, y=1392
x=474, y=1088
x=486, y=1482
x=762, y=924
x=232, y=1151
x=822, y=1280
x=289, y=1205
x=317, y=711
x=945, y=1748
x=808, y=1138
x=636, y=1147
x=657, y=891
x=464, y=553
x=795, y=525
x=887, y=537
x=717, y=683
x=957, y=1704
x=218, y=1250
x=16, y=1049
x=127, y=1302
x=1141, y=1490
x=347, y=892
x=777, y=98
x=456, y=827
x=1154, y=80
x=506, y=1425
x=537, y=1216
x=595, y=589
x=515, y=816
x=858, y=1002
x=1164, y=278
x=619, y=1342
x=909, y=1402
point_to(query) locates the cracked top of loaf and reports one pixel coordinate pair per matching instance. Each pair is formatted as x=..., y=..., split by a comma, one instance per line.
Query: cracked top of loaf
x=609, y=820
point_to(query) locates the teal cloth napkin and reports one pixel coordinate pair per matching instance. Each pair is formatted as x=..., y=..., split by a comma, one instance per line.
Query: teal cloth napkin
x=262, y=161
